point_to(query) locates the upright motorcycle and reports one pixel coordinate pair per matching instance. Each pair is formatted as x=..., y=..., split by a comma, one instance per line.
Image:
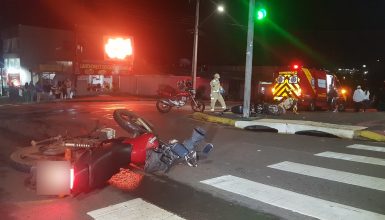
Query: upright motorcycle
x=90, y=161
x=186, y=94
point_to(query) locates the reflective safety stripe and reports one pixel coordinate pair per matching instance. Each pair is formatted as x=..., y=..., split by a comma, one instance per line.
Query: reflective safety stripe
x=309, y=78
x=286, y=89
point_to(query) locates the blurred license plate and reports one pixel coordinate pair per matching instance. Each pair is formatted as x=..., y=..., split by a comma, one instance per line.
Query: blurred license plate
x=53, y=178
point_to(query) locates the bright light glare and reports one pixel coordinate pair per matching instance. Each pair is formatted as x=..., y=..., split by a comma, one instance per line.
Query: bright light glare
x=261, y=13
x=72, y=178
x=118, y=48
x=221, y=8
x=343, y=91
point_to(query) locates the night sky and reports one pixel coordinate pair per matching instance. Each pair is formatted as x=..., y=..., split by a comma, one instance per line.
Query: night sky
x=323, y=33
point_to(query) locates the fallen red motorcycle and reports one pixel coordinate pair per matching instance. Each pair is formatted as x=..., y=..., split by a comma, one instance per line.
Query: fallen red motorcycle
x=74, y=165
x=186, y=94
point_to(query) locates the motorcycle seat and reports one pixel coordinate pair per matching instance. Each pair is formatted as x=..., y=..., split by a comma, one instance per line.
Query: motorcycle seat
x=180, y=150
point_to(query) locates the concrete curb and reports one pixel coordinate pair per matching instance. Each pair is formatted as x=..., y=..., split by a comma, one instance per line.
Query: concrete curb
x=288, y=126
x=215, y=119
x=371, y=135
x=297, y=126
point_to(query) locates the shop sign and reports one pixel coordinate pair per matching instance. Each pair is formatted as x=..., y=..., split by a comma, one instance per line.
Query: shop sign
x=103, y=69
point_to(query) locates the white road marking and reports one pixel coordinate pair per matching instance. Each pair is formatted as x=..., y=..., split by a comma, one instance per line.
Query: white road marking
x=366, y=147
x=303, y=204
x=136, y=209
x=333, y=175
x=352, y=157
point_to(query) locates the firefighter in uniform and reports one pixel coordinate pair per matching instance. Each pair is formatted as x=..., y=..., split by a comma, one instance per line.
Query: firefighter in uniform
x=216, y=92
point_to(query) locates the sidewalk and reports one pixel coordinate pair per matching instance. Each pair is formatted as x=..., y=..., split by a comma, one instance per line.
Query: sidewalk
x=369, y=125
x=98, y=98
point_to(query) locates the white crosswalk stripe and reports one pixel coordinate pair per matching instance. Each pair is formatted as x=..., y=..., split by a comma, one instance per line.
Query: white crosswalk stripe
x=366, y=147
x=136, y=209
x=333, y=175
x=303, y=204
x=352, y=157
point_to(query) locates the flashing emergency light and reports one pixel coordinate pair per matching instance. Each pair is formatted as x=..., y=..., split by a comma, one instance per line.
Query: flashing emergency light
x=295, y=66
x=343, y=91
x=118, y=48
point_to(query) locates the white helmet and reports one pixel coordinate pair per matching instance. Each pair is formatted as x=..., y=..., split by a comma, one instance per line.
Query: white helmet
x=217, y=76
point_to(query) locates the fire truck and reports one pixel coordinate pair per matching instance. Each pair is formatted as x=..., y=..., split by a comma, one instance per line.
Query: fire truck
x=309, y=86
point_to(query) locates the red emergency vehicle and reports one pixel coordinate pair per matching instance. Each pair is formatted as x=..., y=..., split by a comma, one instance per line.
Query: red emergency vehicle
x=309, y=86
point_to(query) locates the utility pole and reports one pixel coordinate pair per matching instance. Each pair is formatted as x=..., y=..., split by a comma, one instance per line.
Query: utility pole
x=195, y=50
x=2, y=80
x=249, y=61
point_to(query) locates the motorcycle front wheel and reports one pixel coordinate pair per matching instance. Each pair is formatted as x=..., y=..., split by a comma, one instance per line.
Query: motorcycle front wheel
x=132, y=123
x=197, y=106
x=162, y=107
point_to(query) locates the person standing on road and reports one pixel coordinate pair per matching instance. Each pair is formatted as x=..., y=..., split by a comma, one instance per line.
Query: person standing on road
x=215, y=94
x=26, y=93
x=32, y=91
x=39, y=91
x=332, y=98
x=366, y=101
x=68, y=87
x=358, y=98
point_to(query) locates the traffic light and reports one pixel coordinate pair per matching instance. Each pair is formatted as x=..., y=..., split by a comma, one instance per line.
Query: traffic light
x=261, y=13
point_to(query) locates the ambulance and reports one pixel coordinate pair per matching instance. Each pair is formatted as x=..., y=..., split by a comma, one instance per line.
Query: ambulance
x=309, y=86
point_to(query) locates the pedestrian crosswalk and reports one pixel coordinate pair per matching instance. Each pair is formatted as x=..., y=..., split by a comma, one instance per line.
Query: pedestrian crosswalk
x=351, y=157
x=309, y=205
x=135, y=209
x=367, y=147
x=333, y=175
x=303, y=204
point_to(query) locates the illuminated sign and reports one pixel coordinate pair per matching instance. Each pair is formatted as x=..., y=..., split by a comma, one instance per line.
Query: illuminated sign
x=103, y=69
x=118, y=48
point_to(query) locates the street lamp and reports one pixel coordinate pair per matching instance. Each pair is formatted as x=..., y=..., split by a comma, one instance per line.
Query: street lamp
x=220, y=9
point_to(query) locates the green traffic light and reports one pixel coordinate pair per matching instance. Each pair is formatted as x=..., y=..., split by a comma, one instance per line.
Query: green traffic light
x=261, y=13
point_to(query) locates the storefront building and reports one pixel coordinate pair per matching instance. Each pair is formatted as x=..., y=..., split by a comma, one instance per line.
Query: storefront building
x=32, y=54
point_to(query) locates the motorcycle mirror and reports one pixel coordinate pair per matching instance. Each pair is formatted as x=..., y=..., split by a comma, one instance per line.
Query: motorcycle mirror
x=207, y=149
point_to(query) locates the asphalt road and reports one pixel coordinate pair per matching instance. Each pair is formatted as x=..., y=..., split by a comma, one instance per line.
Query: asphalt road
x=250, y=175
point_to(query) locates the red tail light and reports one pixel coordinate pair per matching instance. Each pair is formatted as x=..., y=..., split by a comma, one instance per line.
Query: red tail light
x=72, y=178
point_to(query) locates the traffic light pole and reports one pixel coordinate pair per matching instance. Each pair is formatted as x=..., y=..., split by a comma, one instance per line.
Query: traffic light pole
x=195, y=50
x=249, y=61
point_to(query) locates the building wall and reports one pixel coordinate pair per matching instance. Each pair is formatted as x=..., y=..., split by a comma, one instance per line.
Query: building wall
x=42, y=45
x=145, y=85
